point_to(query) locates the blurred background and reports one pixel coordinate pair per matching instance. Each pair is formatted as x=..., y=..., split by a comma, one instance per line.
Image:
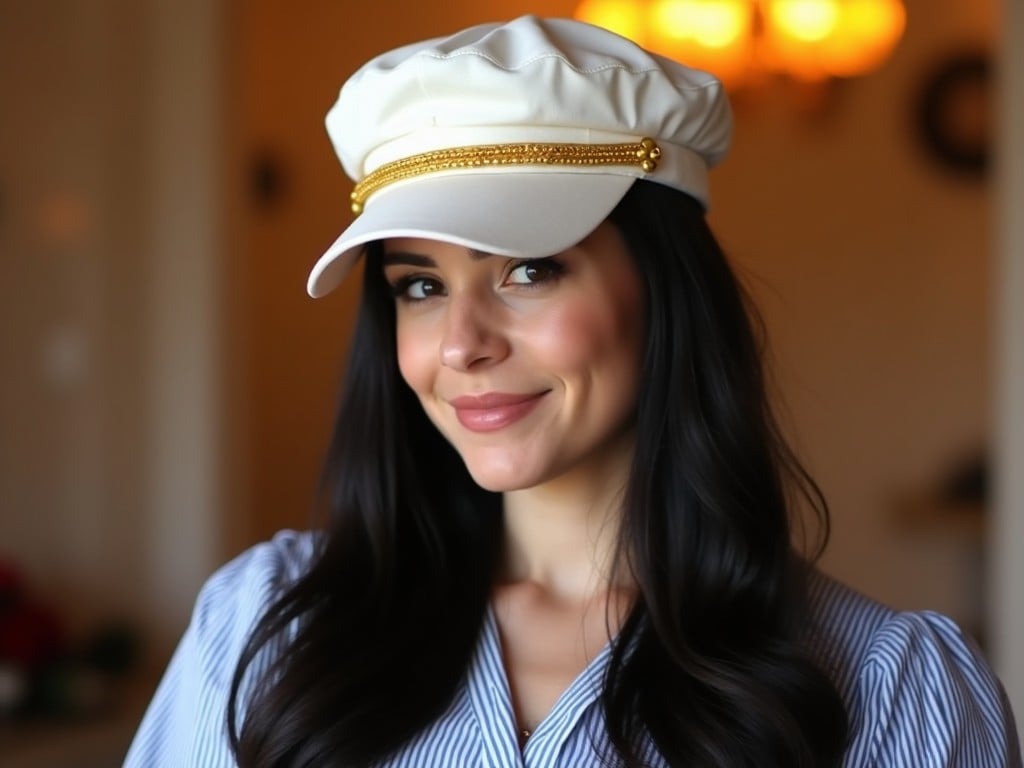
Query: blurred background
x=167, y=387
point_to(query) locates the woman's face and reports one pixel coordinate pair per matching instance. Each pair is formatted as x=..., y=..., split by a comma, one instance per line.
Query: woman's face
x=529, y=368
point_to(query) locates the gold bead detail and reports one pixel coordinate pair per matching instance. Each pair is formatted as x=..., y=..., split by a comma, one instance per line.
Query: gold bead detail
x=648, y=154
x=643, y=155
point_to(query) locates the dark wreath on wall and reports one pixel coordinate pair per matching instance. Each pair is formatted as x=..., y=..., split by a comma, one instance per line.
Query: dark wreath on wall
x=954, y=112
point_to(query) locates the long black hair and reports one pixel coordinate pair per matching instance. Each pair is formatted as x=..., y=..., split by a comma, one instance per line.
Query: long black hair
x=709, y=664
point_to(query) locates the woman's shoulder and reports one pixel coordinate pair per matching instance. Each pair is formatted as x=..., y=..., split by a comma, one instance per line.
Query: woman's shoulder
x=184, y=724
x=240, y=591
x=917, y=689
x=276, y=561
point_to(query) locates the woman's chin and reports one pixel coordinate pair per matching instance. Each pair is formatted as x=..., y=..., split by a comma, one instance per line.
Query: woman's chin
x=503, y=478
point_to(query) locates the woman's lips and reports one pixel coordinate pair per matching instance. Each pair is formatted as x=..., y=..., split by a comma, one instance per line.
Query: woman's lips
x=494, y=410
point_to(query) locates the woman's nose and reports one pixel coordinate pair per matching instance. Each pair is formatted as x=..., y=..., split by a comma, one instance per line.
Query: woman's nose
x=473, y=334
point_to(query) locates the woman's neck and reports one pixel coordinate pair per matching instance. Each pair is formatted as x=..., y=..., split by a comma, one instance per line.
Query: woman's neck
x=562, y=536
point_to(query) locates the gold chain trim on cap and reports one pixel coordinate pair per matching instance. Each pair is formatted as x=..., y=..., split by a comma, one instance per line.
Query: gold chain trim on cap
x=643, y=155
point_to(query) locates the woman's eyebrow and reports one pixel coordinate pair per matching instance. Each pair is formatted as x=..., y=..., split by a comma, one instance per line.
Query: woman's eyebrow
x=391, y=258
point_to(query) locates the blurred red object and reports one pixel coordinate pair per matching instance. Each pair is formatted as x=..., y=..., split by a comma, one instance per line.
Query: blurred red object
x=30, y=634
x=11, y=586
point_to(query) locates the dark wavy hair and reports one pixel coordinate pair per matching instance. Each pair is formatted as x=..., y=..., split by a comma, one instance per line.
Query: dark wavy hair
x=710, y=663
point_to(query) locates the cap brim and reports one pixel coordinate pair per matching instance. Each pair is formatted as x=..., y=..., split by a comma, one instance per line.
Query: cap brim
x=510, y=214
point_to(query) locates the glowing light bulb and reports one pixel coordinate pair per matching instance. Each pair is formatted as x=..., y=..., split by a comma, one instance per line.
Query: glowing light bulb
x=712, y=23
x=805, y=20
x=805, y=39
x=866, y=34
x=624, y=17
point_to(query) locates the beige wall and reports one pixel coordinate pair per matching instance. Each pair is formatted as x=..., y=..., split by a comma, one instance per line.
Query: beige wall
x=109, y=305
x=72, y=361
x=872, y=267
x=1006, y=565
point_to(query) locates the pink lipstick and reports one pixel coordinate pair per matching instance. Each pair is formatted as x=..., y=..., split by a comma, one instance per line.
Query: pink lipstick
x=494, y=410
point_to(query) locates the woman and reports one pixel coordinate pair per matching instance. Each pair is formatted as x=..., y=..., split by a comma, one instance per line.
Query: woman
x=560, y=509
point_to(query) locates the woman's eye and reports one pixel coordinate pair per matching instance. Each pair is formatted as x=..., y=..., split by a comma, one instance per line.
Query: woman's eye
x=417, y=288
x=534, y=271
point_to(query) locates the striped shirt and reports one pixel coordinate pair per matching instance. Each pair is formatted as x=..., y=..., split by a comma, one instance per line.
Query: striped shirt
x=917, y=691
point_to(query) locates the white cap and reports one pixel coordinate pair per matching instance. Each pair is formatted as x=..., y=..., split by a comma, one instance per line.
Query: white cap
x=516, y=139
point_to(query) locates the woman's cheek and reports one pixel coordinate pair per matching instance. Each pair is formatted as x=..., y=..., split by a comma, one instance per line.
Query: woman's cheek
x=414, y=356
x=572, y=335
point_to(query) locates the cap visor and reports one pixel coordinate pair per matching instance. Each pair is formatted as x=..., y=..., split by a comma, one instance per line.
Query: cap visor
x=510, y=214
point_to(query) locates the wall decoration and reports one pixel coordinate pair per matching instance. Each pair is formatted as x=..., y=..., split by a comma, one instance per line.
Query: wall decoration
x=954, y=113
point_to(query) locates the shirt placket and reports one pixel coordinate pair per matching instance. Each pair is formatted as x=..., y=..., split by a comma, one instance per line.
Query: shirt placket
x=492, y=705
x=491, y=700
x=560, y=729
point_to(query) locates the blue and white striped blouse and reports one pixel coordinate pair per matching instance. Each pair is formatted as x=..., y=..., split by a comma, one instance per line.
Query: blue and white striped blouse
x=917, y=691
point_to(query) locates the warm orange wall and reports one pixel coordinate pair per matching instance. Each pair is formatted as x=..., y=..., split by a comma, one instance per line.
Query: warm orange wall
x=870, y=263
x=873, y=272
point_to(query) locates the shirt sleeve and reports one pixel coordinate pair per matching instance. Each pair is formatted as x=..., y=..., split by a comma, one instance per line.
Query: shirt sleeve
x=185, y=724
x=926, y=698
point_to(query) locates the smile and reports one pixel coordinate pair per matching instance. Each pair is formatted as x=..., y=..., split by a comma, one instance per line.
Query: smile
x=494, y=410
